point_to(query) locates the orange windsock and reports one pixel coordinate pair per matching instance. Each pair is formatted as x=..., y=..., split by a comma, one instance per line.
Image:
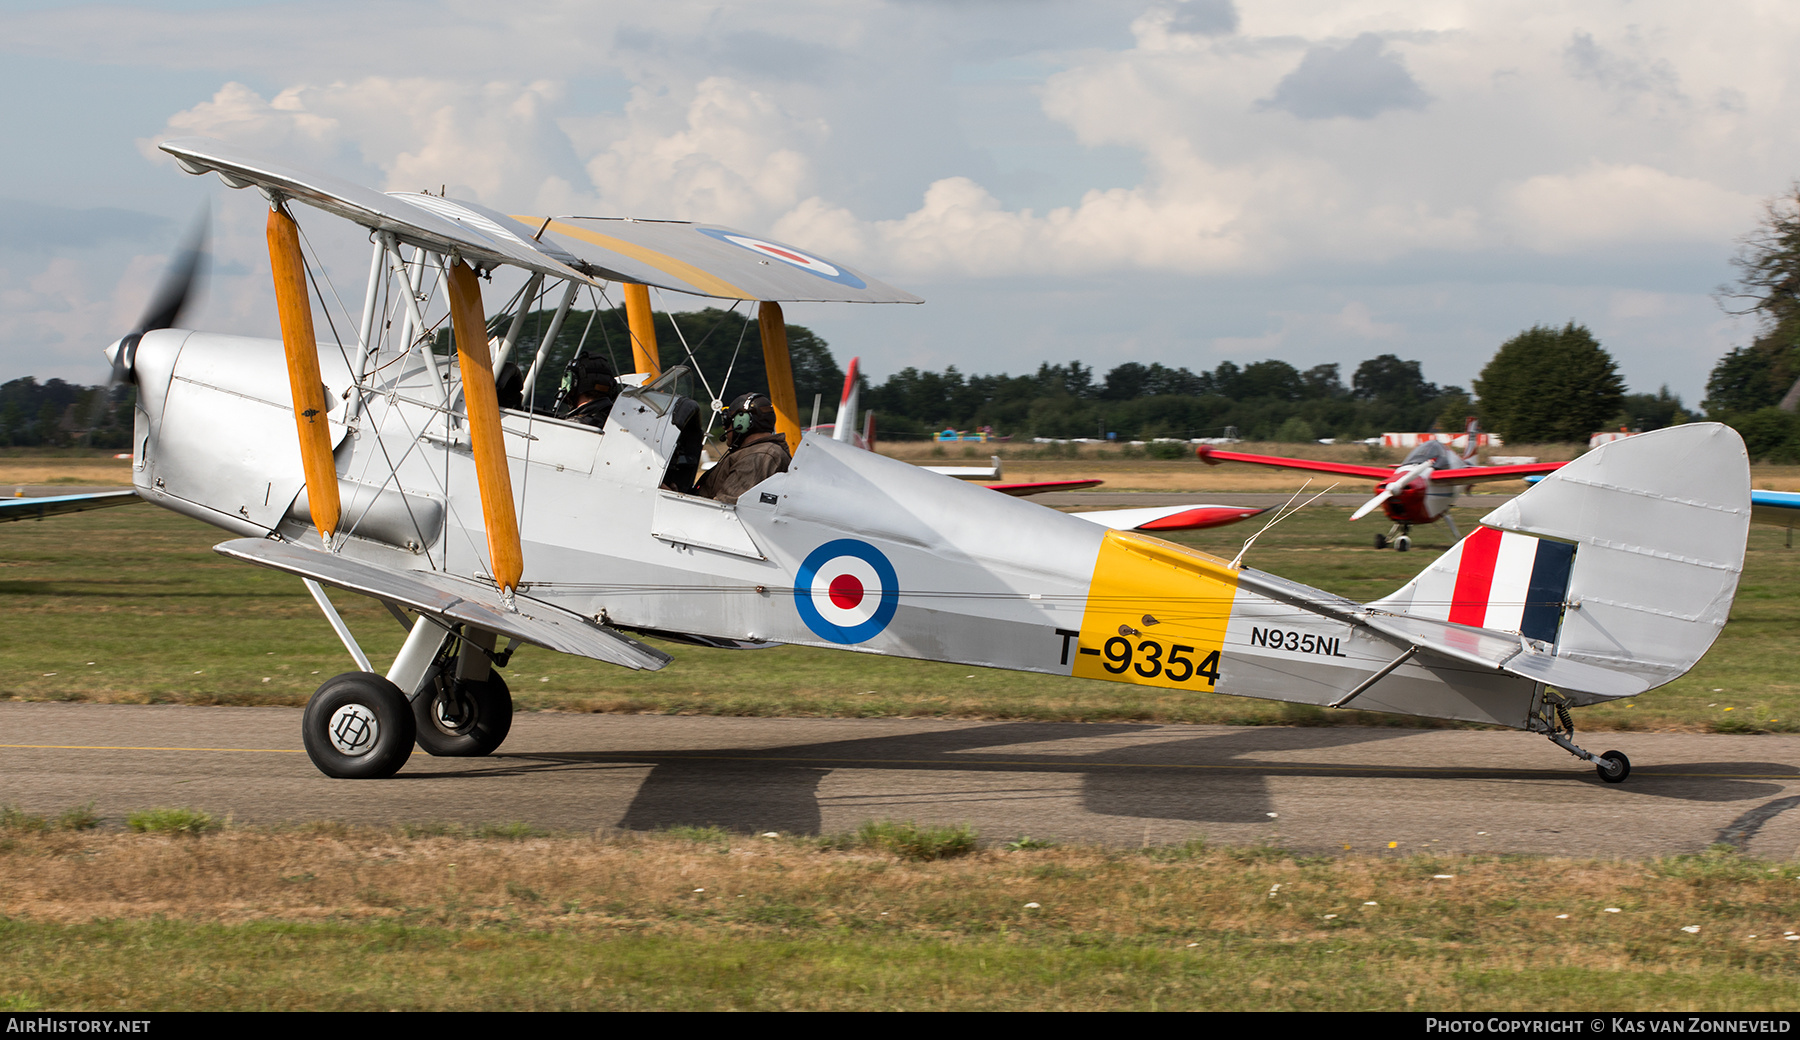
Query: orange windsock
x=294, y=304
x=482, y=403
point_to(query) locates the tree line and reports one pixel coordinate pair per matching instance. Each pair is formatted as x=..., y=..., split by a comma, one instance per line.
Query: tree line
x=1756, y=388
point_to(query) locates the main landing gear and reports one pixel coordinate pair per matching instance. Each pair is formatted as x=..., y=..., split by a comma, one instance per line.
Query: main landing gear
x=442, y=693
x=1552, y=719
x=1399, y=536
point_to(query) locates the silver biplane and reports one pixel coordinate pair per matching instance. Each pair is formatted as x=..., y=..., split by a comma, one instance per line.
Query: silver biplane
x=375, y=465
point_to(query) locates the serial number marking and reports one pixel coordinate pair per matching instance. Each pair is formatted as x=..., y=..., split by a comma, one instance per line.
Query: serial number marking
x=1179, y=667
x=1299, y=642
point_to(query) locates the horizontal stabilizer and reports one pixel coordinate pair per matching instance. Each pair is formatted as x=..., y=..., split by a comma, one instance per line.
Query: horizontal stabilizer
x=453, y=601
x=1506, y=652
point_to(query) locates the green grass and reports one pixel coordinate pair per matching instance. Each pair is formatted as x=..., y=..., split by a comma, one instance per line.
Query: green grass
x=910, y=841
x=131, y=605
x=78, y=818
x=173, y=821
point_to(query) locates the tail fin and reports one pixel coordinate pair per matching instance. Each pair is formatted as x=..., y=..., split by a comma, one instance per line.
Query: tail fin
x=844, y=426
x=1471, y=439
x=1626, y=559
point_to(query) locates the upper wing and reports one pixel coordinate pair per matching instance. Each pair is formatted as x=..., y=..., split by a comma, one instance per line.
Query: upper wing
x=38, y=508
x=444, y=226
x=1212, y=457
x=1479, y=474
x=708, y=260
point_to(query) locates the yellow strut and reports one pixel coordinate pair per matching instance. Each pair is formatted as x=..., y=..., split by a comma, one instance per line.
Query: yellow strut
x=780, y=371
x=294, y=305
x=644, y=357
x=469, y=322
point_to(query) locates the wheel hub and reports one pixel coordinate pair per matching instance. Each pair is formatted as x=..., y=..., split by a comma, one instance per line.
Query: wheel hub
x=353, y=730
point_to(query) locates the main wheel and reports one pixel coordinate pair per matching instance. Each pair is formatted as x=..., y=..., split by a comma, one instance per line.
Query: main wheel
x=358, y=726
x=463, y=719
x=1618, y=767
x=1402, y=543
x=1381, y=541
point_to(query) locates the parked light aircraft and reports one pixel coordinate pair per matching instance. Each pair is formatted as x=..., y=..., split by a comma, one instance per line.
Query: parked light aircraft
x=374, y=465
x=1420, y=490
x=1138, y=518
x=24, y=508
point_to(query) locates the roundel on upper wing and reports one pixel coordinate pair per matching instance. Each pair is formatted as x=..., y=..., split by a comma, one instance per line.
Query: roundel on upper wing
x=846, y=591
x=787, y=255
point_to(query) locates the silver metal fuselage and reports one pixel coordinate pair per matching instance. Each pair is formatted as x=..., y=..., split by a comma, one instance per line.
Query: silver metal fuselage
x=980, y=578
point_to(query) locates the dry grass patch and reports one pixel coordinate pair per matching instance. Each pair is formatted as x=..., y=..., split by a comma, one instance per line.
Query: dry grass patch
x=332, y=916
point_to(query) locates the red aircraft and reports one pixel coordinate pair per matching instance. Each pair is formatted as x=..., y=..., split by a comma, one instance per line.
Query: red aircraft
x=1420, y=490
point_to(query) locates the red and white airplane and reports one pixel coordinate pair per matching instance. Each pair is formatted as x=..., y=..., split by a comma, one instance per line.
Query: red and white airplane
x=1420, y=490
x=1139, y=518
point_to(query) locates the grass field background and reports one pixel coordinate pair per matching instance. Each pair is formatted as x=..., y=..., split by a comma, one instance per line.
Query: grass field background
x=131, y=605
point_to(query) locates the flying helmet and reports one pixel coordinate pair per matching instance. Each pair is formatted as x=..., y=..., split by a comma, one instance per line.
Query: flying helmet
x=749, y=413
x=589, y=374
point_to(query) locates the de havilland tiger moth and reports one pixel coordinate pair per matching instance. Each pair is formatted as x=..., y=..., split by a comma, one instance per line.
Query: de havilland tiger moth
x=370, y=462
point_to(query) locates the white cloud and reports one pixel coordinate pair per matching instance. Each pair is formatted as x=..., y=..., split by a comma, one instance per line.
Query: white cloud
x=1605, y=205
x=494, y=141
x=729, y=155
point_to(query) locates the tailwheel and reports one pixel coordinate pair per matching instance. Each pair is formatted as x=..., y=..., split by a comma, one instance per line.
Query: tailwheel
x=358, y=726
x=463, y=718
x=1613, y=767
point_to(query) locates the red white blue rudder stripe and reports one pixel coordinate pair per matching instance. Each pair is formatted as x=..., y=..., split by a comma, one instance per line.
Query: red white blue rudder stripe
x=1493, y=579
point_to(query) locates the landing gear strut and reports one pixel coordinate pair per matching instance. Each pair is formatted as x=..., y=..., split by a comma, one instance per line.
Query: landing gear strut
x=1552, y=719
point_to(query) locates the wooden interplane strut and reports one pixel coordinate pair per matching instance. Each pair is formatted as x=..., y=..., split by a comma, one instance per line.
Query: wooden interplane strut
x=498, y=514
x=294, y=305
x=644, y=355
x=780, y=371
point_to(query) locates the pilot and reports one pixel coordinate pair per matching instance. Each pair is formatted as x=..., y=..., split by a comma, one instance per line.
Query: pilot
x=755, y=450
x=589, y=387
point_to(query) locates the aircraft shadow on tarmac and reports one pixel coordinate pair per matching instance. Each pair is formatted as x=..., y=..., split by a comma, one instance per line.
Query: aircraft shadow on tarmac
x=1215, y=778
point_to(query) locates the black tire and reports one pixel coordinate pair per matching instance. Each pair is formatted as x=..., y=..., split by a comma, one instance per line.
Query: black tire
x=1402, y=543
x=1621, y=767
x=1381, y=541
x=356, y=753
x=463, y=719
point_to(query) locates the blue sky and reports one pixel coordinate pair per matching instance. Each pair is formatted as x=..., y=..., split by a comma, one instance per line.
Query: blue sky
x=1183, y=182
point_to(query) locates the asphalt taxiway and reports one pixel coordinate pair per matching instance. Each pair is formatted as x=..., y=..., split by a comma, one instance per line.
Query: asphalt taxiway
x=1317, y=789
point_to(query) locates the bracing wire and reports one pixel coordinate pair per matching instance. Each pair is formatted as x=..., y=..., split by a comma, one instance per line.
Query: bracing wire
x=1281, y=514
